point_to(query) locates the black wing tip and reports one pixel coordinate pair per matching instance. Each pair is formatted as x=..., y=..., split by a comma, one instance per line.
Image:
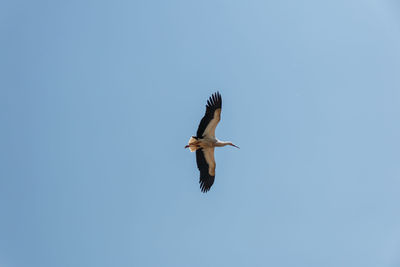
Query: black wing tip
x=206, y=186
x=214, y=101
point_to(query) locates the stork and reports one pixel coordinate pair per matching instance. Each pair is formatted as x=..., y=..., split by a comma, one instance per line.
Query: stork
x=204, y=142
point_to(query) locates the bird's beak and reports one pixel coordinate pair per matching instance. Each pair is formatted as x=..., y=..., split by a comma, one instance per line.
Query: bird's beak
x=235, y=146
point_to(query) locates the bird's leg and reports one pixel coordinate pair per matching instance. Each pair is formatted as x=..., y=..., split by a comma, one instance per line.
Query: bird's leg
x=195, y=144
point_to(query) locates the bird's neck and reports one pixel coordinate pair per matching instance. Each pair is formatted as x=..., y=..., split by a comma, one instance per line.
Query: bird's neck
x=222, y=143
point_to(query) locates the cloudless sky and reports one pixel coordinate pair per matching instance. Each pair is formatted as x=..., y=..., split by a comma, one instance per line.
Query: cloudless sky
x=98, y=99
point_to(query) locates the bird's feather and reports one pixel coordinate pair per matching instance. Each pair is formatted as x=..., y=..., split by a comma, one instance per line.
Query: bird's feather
x=210, y=120
x=192, y=141
x=206, y=165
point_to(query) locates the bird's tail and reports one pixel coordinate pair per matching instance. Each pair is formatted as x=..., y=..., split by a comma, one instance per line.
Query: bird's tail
x=192, y=147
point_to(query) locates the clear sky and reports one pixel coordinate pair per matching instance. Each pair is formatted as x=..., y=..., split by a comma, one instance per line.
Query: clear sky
x=98, y=99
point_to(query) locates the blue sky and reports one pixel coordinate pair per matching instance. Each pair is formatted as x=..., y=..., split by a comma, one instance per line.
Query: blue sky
x=98, y=99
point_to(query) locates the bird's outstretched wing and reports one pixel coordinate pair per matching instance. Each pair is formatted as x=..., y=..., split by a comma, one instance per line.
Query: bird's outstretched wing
x=206, y=164
x=210, y=120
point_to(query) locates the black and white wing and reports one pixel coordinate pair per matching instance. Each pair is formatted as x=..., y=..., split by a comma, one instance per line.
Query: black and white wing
x=206, y=164
x=210, y=120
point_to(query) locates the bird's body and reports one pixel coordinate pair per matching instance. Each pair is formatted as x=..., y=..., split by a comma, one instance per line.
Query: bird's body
x=205, y=142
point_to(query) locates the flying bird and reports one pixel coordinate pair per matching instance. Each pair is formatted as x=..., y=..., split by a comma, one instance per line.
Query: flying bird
x=204, y=142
